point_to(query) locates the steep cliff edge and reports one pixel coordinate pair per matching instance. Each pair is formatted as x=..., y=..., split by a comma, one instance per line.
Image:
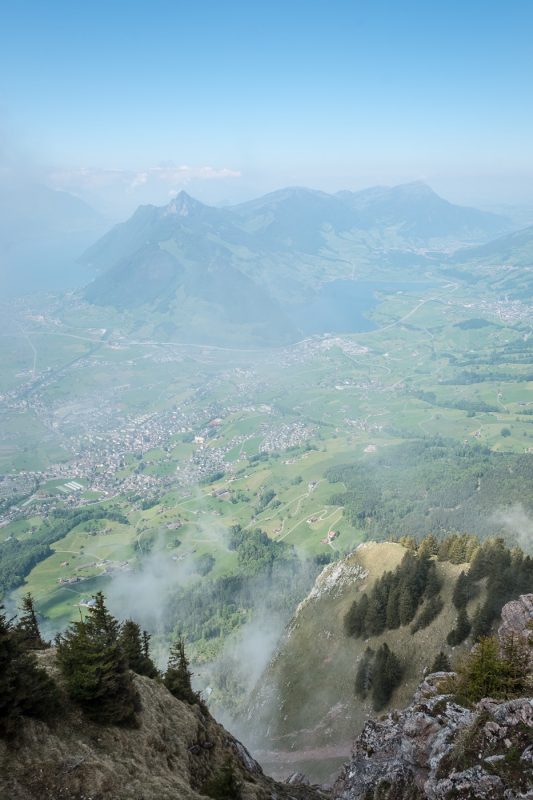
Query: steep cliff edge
x=175, y=750
x=440, y=750
x=304, y=713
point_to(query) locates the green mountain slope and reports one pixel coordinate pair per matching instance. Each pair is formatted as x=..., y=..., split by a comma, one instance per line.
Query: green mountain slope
x=295, y=219
x=306, y=701
x=507, y=262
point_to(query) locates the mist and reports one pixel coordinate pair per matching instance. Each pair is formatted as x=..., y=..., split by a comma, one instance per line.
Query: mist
x=518, y=523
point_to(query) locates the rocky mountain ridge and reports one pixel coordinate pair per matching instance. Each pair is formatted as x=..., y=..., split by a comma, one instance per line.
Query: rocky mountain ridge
x=171, y=755
x=436, y=748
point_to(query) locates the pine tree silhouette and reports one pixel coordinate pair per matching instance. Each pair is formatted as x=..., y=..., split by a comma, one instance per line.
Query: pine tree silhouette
x=95, y=667
x=136, y=647
x=25, y=688
x=27, y=627
x=177, y=678
x=441, y=663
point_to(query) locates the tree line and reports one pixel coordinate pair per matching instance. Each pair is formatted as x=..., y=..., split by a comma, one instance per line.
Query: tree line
x=508, y=573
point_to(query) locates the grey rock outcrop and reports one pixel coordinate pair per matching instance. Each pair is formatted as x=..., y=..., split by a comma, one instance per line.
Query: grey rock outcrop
x=439, y=750
x=517, y=618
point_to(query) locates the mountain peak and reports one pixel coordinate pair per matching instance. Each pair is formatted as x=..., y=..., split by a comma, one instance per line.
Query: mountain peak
x=182, y=205
x=415, y=189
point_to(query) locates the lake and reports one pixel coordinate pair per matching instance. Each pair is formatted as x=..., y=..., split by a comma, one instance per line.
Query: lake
x=344, y=306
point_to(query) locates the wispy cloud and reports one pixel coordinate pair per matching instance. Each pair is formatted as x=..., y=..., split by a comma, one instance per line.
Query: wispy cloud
x=167, y=174
x=119, y=191
x=516, y=521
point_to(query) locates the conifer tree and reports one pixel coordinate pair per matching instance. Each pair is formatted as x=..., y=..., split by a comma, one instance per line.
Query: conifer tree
x=355, y=618
x=441, y=663
x=177, y=678
x=363, y=676
x=482, y=620
x=376, y=616
x=95, y=667
x=27, y=627
x=515, y=652
x=481, y=672
x=494, y=669
x=432, y=585
x=393, y=609
x=150, y=669
x=136, y=647
x=428, y=546
x=386, y=676
x=407, y=606
x=463, y=591
x=462, y=629
x=25, y=688
x=430, y=611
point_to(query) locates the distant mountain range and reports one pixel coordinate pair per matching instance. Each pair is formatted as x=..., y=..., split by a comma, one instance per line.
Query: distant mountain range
x=253, y=263
x=506, y=263
x=420, y=215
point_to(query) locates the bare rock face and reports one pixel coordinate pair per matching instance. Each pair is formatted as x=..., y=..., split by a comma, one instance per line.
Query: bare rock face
x=438, y=750
x=517, y=617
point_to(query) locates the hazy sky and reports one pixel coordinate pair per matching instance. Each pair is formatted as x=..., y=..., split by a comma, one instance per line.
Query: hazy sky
x=246, y=96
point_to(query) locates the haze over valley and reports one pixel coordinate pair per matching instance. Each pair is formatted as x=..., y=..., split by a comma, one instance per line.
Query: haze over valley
x=266, y=427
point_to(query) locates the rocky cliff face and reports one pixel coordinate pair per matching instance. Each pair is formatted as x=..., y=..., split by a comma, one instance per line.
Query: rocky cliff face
x=517, y=618
x=439, y=750
x=171, y=754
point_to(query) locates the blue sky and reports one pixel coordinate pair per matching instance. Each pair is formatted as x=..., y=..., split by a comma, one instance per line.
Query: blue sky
x=326, y=94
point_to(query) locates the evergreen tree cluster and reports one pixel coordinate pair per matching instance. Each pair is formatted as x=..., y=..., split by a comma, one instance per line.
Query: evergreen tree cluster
x=508, y=574
x=256, y=552
x=95, y=667
x=177, y=678
x=25, y=688
x=457, y=548
x=378, y=675
x=96, y=656
x=494, y=669
x=396, y=597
